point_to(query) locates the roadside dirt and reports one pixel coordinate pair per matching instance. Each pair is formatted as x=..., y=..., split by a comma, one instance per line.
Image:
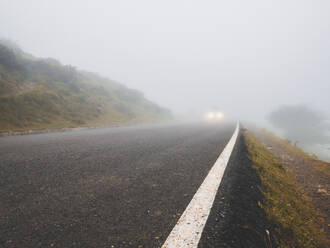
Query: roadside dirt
x=309, y=173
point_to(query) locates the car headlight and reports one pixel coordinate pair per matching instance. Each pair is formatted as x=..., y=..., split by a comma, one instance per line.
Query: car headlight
x=214, y=115
x=219, y=115
x=210, y=115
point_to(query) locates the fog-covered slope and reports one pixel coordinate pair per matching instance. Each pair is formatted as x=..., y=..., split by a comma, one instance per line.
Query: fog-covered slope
x=41, y=93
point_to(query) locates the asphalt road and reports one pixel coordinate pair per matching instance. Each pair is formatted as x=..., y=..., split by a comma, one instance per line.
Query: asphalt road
x=107, y=187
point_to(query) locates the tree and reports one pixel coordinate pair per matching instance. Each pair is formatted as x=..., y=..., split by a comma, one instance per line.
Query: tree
x=302, y=123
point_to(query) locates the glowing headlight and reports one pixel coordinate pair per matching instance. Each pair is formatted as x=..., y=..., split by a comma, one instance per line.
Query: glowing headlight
x=214, y=116
x=210, y=115
x=219, y=115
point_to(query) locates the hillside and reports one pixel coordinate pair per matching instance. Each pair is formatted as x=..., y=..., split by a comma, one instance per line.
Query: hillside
x=40, y=93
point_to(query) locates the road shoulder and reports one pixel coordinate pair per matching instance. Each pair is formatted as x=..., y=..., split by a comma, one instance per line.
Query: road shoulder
x=236, y=219
x=259, y=204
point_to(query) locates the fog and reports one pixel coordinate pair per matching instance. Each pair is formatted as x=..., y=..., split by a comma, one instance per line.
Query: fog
x=306, y=127
x=244, y=57
x=313, y=126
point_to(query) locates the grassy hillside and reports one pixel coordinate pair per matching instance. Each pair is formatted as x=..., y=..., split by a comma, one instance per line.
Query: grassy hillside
x=41, y=93
x=293, y=214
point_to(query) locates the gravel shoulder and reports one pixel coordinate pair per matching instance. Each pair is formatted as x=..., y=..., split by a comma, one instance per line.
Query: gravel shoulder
x=236, y=219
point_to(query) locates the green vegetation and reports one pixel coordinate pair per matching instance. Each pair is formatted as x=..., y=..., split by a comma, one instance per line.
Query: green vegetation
x=41, y=93
x=291, y=212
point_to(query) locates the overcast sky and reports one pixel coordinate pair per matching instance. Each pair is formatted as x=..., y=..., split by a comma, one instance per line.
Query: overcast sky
x=246, y=57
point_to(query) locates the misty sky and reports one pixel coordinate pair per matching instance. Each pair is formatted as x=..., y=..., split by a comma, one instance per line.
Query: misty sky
x=246, y=57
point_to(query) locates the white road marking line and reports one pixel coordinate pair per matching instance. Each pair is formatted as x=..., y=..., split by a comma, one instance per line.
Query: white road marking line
x=188, y=230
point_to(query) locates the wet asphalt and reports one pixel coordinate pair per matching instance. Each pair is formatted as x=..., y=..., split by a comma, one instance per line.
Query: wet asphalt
x=105, y=187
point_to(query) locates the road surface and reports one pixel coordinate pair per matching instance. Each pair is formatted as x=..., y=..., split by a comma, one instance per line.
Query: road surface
x=106, y=187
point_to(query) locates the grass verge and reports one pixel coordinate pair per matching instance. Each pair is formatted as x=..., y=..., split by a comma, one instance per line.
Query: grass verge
x=286, y=144
x=291, y=212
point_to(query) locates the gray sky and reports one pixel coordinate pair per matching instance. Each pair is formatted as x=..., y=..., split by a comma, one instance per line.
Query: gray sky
x=246, y=57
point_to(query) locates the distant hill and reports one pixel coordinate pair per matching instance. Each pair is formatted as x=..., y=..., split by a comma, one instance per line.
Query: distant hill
x=40, y=93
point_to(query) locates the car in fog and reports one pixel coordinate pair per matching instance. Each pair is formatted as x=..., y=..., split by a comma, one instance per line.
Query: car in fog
x=214, y=115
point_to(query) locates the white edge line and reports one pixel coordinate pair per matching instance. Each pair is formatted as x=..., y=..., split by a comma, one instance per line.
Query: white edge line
x=188, y=230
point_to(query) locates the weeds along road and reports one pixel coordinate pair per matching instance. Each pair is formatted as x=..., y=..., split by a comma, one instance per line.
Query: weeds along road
x=106, y=187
